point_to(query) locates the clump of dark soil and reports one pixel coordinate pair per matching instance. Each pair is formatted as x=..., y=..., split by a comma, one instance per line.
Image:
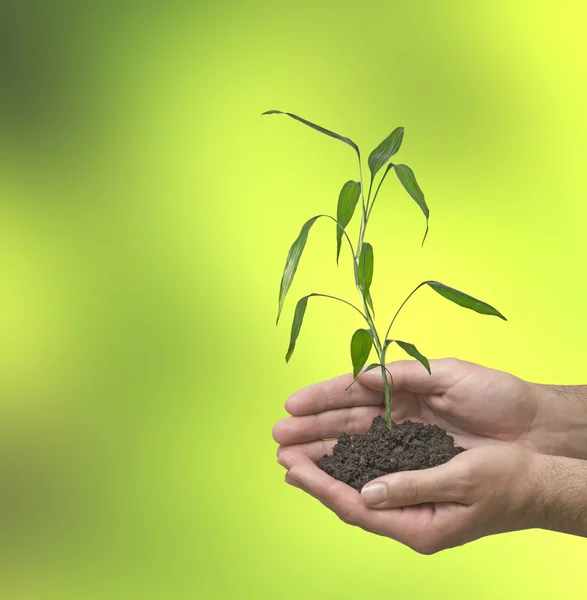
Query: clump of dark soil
x=408, y=446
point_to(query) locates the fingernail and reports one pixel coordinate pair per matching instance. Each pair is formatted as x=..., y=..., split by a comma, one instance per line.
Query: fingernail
x=374, y=493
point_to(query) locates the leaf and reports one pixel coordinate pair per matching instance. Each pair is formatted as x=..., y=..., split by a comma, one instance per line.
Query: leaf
x=388, y=147
x=346, y=140
x=297, y=325
x=370, y=302
x=292, y=261
x=347, y=201
x=361, y=344
x=369, y=368
x=366, y=268
x=408, y=180
x=412, y=351
x=463, y=299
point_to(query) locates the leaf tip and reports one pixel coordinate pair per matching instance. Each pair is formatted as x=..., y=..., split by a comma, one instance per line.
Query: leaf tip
x=425, y=234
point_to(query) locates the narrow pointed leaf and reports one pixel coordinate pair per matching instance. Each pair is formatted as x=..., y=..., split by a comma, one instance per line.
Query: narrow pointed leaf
x=464, y=300
x=292, y=261
x=361, y=343
x=347, y=201
x=370, y=303
x=365, y=270
x=412, y=351
x=388, y=147
x=346, y=140
x=369, y=368
x=408, y=180
x=296, y=325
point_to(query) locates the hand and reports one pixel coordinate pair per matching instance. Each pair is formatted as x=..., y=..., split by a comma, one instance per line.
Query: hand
x=476, y=405
x=488, y=490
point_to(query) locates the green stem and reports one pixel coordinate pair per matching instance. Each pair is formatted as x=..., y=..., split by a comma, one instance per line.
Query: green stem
x=402, y=305
x=387, y=396
x=389, y=167
x=345, y=302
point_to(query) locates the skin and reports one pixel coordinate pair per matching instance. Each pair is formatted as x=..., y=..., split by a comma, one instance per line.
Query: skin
x=523, y=469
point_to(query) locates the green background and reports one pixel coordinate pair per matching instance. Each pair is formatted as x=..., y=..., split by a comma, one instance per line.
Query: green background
x=146, y=210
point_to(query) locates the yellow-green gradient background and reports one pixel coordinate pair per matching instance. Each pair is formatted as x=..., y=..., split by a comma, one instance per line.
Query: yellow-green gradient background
x=146, y=211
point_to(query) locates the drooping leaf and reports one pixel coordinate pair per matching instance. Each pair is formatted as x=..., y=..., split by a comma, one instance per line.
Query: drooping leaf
x=408, y=180
x=292, y=261
x=412, y=351
x=463, y=299
x=347, y=201
x=368, y=368
x=365, y=270
x=323, y=130
x=388, y=147
x=296, y=325
x=361, y=343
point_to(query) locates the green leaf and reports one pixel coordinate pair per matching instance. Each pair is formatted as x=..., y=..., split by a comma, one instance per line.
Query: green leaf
x=412, y=351
x=347, y=201
x=388, y=147
x=296, y=325
x=371, y=367
x=463, y=299
x=346, y=140
x=361, y=344
x=365, y=270
x=292, y=261
x=370, y=302
x=408, y=180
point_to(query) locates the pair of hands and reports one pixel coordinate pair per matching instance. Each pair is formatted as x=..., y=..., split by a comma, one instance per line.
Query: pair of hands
x=505, y=423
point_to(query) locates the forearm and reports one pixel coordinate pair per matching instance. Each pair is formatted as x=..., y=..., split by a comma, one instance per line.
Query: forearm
x=562, y=419
x=557, y=493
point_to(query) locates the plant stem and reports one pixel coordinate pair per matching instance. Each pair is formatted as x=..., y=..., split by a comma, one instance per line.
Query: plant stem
x=402, y=305
x=370, y=209
x=345, y=302
x=388, y=395
x=375, y=336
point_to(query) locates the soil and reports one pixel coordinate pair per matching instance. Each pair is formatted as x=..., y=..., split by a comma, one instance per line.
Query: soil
x=408, y=446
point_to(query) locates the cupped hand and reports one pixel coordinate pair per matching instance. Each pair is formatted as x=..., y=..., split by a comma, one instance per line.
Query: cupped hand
x=484, y=491
x=476, y=405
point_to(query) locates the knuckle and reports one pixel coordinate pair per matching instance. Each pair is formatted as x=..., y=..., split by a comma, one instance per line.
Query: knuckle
x=453, y=362
x=409, y=487
x=427, y=545
x=349, y=516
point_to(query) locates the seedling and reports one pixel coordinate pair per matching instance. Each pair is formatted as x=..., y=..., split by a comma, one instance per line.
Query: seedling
x=364, y=340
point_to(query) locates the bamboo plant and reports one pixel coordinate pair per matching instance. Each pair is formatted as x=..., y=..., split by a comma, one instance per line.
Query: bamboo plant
x=366, y=339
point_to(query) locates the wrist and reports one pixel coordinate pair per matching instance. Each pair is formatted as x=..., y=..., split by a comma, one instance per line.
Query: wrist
x=556, y=495
x=560, y=425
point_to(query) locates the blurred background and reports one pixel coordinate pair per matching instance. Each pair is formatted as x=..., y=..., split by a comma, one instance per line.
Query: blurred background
x=146, y=211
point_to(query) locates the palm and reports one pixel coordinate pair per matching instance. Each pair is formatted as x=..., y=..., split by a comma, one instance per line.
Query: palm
x=476, y=405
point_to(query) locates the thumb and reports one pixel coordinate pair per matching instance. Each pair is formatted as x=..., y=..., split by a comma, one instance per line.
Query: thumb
x=449, y=482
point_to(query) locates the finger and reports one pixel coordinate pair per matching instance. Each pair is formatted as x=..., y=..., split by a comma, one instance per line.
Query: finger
x=332, y=394
x=411, y=376
x=313, y=450
x=450, y=482
x=330, y=424
x=404, y=525
x=335, y=495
